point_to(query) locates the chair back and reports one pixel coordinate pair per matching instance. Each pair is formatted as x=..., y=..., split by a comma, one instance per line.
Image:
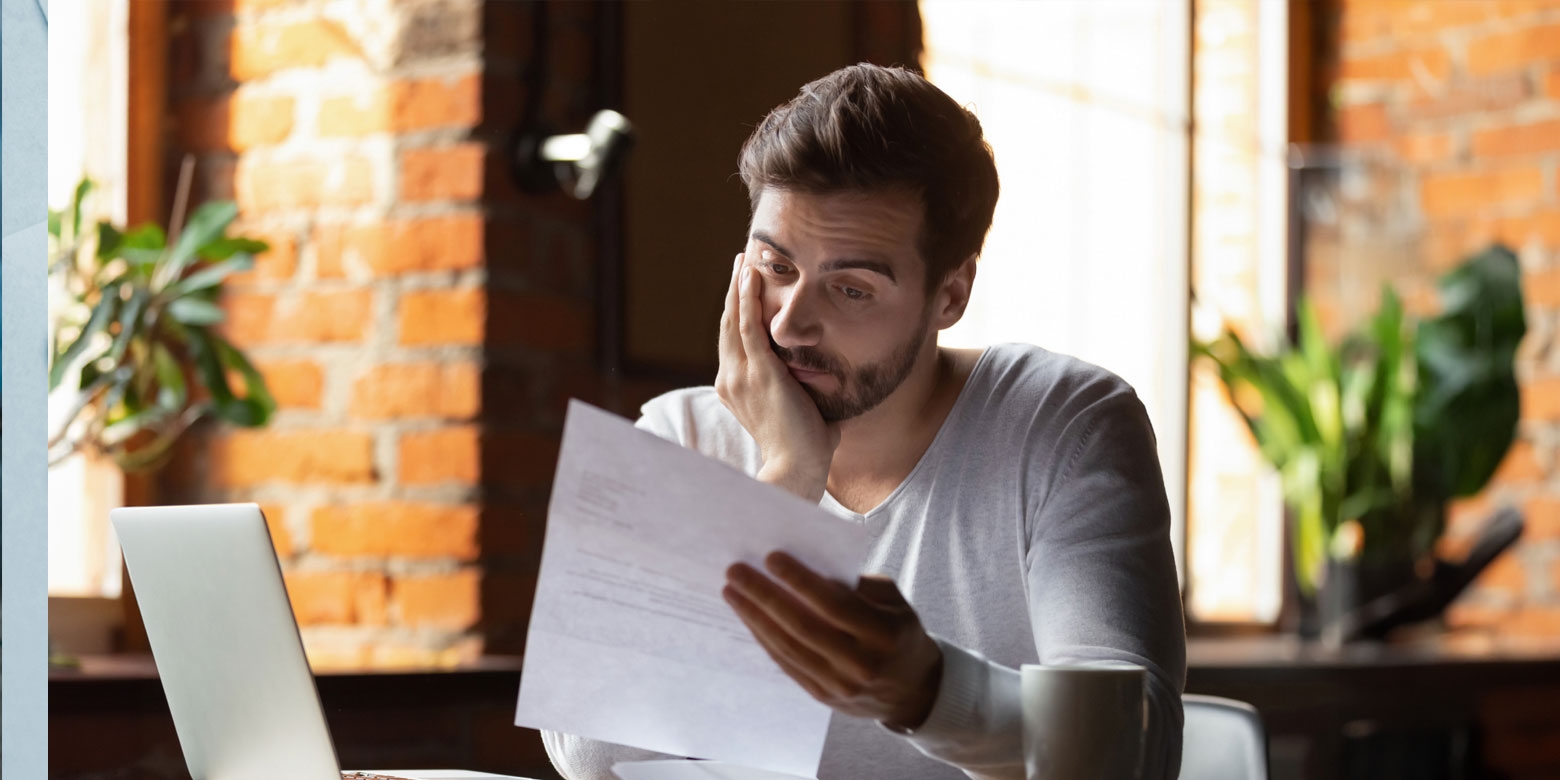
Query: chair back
x=1223, y=740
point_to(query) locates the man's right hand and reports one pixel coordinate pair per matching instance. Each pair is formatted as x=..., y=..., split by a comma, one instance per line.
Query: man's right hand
x=796, y=444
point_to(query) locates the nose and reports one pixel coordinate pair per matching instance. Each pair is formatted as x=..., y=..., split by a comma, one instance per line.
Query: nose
x=796, y=323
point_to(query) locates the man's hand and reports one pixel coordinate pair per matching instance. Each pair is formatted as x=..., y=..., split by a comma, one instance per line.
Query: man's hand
x=863, y=652
x=797, y=445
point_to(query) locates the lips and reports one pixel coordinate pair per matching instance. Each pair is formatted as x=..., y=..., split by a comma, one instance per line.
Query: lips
x=804, y=373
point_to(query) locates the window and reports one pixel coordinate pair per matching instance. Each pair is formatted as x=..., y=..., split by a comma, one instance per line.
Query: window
x=88, y=61
x=1087, y=253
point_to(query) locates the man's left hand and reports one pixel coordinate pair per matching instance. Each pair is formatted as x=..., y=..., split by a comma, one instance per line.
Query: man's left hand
x=861, y=651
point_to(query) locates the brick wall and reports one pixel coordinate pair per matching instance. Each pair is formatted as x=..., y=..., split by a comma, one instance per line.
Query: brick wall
x=1463, y=99
x=420, y=322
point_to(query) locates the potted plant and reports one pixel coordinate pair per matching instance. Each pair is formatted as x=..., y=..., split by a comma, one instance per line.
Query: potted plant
x=134, y=346
x=135, y=340
x=1374, y=436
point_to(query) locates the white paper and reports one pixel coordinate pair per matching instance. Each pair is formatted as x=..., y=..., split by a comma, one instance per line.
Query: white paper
x=630, y=641
x=693, y=770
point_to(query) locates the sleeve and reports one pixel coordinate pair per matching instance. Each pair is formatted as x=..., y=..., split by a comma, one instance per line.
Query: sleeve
x=1100, y=576
x=579, y=758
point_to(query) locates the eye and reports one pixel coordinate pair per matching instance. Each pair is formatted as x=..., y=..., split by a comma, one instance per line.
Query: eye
x=854, y=294
x=779, y=269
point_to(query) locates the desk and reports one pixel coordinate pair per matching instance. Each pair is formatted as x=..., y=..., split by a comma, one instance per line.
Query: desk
x=1504, y=694
x=111, y=715
x=109, y=719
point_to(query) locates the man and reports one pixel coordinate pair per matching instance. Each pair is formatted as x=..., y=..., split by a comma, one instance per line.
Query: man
x=1014, y=495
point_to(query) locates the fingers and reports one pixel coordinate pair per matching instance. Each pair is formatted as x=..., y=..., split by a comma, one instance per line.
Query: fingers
x=730, y=342
x=755, y=338
x=837, y=603
x=796, y=660
x=795, y=625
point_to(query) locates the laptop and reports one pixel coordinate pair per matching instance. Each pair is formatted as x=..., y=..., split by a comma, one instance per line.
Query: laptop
x=227, y=647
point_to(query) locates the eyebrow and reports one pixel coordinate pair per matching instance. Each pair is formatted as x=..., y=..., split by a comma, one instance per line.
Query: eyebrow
x=841, y=264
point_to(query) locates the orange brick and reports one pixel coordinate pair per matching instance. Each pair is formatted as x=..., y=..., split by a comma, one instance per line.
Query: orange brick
x=313, y=317
x=1528, y=45
x=1464, y=96
x=1520, y=139
x=1422, y=148
x=442, y=317
x=449, y=601
x=542, y=321
x=276, y=263
x=404, y=106
x=396, y=529
x=443, y=173
x=446, y=455
x=1534, y=621
x=1505, y=575
x=1541, y=399
x=1552, y=85
x=275, y=522
x=1542, y=514
x=237, y=122
x=1462, y=615
x=293, y=383
x=1515, y=231
x=405, y=246
x=402, y=390
x=1521, y=464
x=338, y=597
x=247, y=457
x=256, y=51
x=1363, y=123
x=1451, y=194
x=261, y=187
x=1396, y=66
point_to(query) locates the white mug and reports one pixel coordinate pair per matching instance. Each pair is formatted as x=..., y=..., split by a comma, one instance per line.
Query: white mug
x=1083, y=722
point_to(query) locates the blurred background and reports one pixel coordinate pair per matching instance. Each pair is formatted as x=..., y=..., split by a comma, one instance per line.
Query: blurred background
x=424, y=307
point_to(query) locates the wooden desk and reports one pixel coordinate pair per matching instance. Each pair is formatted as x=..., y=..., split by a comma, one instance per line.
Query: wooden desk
x=109, y=719
x=1318, y=703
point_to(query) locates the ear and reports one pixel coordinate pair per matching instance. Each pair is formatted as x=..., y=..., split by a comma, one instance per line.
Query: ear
x=953, y=296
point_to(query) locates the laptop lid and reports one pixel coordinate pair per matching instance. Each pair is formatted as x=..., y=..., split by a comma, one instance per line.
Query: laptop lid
x=225, y=642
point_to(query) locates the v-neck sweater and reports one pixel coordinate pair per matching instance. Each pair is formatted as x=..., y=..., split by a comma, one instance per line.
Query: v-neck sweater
x=1033, y=529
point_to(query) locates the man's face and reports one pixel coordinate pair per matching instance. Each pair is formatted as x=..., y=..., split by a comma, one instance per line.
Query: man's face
x=844, y=292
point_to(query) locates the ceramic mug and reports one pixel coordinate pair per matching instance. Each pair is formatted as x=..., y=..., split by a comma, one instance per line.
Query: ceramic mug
x=1083, y=722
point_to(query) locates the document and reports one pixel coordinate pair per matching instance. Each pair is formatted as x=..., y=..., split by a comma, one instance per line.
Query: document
x=630, y=640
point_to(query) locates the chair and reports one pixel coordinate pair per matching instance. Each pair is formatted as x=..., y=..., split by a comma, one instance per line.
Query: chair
x=1223, y=740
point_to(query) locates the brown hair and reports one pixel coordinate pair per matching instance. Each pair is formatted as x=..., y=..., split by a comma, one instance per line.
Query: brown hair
x=866, y=127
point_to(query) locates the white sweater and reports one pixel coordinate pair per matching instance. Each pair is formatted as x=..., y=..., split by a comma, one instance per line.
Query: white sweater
x=1033, y=530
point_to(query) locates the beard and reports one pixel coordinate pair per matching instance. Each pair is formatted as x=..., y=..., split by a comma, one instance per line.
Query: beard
x=864, y=388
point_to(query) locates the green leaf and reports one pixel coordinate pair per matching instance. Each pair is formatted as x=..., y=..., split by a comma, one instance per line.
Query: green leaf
x=211, y=275
x=257, y=405
x=223, y=248
x=129, y=323
x=171, y=389
x=1468, y=402
x=84, y=187
x=102, y=314
x=123, y=429
x=194, y=311
x=147, y=236
x=54, y=223
x=109, y=240
x=205, y=226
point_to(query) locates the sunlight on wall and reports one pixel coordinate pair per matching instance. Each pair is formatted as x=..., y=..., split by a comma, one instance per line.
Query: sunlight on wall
x=1084, y=104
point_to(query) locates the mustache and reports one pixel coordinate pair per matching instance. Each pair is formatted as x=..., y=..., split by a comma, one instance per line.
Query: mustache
x=807, y=358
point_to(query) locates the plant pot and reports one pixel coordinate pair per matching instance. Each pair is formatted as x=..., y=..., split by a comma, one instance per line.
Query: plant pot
x=1344, y=587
